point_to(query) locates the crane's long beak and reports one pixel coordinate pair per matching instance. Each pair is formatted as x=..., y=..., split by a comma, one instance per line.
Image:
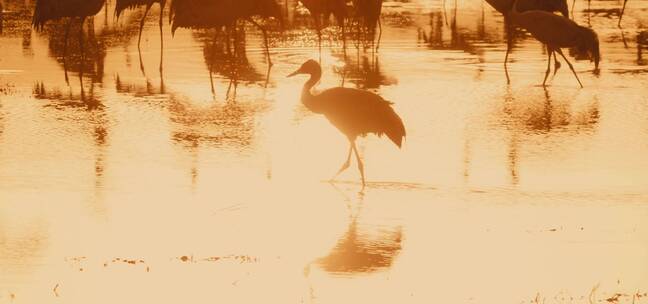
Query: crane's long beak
x=293, y=74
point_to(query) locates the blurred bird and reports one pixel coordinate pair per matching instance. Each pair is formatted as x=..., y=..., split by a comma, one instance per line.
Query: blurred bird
x=354, y=112
x=368, y=11
x=123, y=5
x=49, y=10
x=204, y=14
x=321, y=11
x=505, y=6
x=558, y=32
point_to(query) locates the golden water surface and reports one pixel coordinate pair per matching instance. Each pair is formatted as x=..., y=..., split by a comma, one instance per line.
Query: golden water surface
x=128, y=187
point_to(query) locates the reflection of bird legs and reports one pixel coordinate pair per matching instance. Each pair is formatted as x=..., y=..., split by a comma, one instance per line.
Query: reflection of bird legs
x=570, y=65
x=139, y=38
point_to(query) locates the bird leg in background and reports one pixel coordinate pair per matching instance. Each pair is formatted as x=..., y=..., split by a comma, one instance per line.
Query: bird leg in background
x=621, y=14
x=346, y=164
x=211, y=62
x=360, y=164
x=509, y=43
x=139, y=39
x=549, y=52
x=570, y=66
x=81, y=42
x=379, y=34
x=65, y=49
x=161, y=36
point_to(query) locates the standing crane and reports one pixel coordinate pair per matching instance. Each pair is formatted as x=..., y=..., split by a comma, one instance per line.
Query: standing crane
x=354, y=112
x=504, y=7
x=558, y=32
x=49, y=10
x=123, y=5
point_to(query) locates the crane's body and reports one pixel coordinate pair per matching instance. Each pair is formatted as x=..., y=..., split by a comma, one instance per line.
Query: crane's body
x=47, y=10
x=354, y=112
x=558, y=32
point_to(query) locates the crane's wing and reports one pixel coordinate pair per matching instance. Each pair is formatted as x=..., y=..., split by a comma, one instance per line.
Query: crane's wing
x=357, y=112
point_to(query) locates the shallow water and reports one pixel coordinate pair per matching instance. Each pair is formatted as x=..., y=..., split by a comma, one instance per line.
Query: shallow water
x=129, y=187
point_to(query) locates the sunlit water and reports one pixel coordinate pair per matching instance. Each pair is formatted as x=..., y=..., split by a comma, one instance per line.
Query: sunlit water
x=125, y=188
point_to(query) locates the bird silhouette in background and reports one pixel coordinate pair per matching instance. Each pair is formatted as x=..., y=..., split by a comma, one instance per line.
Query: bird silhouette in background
x=505, y=6
x=367, y=14
x=321, y=11
x=218, y=14
x=558, y=32
x=354, y=112
x=49, y=10
x=123, y=5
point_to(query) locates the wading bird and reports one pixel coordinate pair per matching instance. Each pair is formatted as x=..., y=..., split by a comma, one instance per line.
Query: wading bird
x=558, y=32
x=321, y=11
x=354, y=112
x=123, y=5
x=47, y=10
x=505, y=6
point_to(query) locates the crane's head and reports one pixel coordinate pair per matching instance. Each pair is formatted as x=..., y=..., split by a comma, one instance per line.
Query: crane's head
x=310, y=67
x=588, y=44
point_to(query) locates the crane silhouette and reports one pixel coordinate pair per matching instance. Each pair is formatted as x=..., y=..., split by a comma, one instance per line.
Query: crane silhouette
x=218, y=14
x=123, y=5
x=558, y=32
x=321, y=11
x=354, y=112
x=49, y=10
x=504, y=7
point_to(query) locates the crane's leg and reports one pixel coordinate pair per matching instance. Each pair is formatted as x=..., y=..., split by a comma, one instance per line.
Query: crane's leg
x=549, y=52
x=621, y=14
x=509, y=43
x=139, y=39
x=346, y=164
x=570, y=66
x=360, y=164
x=379, y=34
x=65, y=49
x=211, y=63
x=573, y=6
x=557, y=64
x=162, y=4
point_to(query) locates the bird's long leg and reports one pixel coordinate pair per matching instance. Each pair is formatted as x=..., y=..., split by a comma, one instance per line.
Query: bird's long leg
x=573, y=6
x=379, y=34
x=65, y=49
x=211, y=63
x=82, y=61
x=360, y=164
x=570, y=66
x=139, y=39
x=509, y=43
x=557, y=64
x=621, y=14
x=346, y=164
x=549, y=52
x=162, y=4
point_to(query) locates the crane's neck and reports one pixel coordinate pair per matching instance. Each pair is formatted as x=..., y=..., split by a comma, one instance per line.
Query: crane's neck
x=308, y=99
